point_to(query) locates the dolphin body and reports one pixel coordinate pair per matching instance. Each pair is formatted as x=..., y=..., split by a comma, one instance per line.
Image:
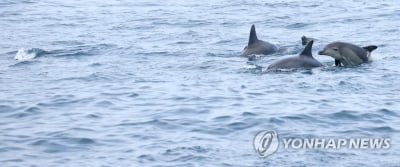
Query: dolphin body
x=256, y=46
x=348, y=54
x=304, y=60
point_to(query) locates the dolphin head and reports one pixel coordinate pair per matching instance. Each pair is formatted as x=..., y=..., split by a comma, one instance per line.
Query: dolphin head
x=332, y=49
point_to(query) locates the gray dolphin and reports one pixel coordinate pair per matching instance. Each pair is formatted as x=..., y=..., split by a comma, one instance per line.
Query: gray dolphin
x=348, y=54
x=305, y=40
x=256, y=46
x=304, y=60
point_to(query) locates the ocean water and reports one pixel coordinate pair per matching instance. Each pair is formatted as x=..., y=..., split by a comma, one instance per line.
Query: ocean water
x=161, y=82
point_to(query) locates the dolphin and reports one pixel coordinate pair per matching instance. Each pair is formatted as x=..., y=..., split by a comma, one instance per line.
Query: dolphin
x=305, y=40
x=304, y=60
x=348, y=54
x=256, y=46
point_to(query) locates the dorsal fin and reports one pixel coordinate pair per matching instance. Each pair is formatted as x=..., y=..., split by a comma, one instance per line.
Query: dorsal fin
x=304, y=40
x=370, y=48
x=253, y=35
x=307, y=50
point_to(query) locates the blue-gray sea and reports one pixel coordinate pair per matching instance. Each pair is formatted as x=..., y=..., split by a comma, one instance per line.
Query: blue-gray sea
x=161, y=83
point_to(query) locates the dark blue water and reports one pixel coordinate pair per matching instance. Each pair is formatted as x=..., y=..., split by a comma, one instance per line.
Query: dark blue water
x=161, y=83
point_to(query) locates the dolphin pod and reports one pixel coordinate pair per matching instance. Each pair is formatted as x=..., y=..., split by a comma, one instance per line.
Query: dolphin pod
x=344, y=54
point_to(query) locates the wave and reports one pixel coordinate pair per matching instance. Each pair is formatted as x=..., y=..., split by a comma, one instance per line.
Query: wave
x=29, y=54
x=75, y=51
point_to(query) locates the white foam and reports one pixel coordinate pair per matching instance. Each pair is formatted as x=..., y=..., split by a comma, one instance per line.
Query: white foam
x=23, y=55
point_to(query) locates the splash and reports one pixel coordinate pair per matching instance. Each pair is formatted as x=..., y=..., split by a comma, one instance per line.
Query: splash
x=29, y=54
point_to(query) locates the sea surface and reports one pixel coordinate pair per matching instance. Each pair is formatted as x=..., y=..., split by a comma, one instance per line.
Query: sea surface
x=161, y=83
